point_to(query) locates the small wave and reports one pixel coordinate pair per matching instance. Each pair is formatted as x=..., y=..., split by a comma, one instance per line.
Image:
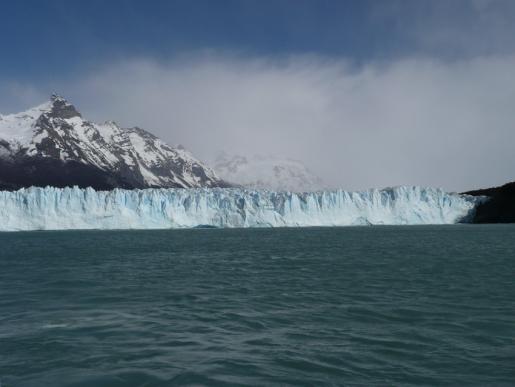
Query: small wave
x=54, y=326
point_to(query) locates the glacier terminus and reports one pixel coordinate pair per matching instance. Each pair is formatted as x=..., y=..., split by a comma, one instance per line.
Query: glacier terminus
x=53, y=208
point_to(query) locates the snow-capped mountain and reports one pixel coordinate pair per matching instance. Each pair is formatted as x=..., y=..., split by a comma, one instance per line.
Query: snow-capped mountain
x=52, y=144
x=262, y=172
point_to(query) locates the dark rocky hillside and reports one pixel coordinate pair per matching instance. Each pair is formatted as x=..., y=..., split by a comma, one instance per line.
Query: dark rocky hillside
x=499, y=208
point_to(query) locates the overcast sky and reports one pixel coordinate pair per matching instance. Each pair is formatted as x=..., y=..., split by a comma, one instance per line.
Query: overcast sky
x=366, y=94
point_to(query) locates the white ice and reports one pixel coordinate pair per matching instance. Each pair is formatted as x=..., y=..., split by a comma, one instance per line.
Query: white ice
x=73, y=208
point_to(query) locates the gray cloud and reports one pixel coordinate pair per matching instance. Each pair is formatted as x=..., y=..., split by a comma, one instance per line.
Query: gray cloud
x=446, y=29
x=412, y=121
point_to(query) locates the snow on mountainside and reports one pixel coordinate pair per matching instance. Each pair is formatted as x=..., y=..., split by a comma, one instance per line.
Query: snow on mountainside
x=273, y=173
x=52, y=144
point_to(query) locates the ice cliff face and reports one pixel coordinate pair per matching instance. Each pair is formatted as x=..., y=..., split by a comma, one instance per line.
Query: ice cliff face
x=52, y=144
x=73, y=208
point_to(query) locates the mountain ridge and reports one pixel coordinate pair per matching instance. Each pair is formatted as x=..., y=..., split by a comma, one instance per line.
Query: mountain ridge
x=267, y=172
x=52, y=144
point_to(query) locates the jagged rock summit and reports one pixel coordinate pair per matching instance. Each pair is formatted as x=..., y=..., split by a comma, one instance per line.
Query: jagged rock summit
x=52, y=144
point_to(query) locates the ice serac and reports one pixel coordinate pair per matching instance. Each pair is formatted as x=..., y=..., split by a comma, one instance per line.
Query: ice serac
x=74, y=208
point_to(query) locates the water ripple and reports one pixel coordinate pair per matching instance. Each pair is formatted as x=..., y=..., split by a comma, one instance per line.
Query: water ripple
x=355, y=306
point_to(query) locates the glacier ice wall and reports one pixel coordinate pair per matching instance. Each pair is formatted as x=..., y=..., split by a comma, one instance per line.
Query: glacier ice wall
x=73, y=208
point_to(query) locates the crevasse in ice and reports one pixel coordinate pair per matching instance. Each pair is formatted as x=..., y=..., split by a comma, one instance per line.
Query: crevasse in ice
x=74, y=208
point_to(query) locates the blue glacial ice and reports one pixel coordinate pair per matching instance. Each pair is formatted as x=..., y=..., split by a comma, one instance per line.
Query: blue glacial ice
x=74, y=208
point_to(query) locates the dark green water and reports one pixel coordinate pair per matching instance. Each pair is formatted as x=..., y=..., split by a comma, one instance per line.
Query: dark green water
x=385, y=306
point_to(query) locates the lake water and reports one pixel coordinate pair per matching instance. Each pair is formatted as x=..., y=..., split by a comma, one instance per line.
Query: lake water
x=419, y=305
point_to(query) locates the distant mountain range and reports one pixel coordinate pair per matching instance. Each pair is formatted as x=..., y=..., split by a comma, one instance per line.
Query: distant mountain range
x=52, y=144
x=267, y=172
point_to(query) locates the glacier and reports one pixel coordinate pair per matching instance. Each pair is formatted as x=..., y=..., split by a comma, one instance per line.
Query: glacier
x=75, y=208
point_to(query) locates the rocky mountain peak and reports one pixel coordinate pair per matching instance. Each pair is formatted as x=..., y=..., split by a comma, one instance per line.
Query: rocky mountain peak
x=52, y=144
x=61, y=108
